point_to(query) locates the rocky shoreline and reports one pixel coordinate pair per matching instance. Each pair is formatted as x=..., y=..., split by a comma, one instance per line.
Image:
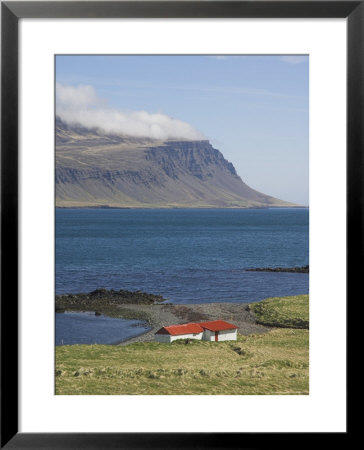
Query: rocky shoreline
x=161, y=315
x=303, y=269
x=156, y=313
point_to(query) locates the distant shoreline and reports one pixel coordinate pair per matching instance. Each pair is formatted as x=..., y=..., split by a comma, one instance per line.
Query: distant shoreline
x=180, y=207
x=302, y=269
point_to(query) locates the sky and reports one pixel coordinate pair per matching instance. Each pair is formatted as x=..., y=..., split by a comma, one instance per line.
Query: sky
x=253, y=108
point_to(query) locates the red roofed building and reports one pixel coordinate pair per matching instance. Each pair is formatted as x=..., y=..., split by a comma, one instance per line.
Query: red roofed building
x=215, y=330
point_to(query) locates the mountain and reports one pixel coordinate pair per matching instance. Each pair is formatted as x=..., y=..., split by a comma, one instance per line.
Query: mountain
x=105, y=170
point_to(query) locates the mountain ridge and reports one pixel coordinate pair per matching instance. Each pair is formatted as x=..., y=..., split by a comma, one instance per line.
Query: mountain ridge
x=95, y=169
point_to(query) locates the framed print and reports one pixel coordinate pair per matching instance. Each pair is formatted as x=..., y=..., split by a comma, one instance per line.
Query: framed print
x=134, y=121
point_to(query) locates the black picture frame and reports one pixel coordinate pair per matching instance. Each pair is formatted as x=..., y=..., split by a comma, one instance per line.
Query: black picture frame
x=11, y=12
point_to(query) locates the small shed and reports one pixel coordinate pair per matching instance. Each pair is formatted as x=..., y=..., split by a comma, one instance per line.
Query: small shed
x=216, y=330
x=219, y=330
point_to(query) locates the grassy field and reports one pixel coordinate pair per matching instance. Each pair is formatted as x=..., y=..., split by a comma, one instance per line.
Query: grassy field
x=275, y=363
x=287, y=312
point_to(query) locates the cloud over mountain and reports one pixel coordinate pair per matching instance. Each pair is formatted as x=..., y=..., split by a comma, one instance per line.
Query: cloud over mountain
x=81, y=105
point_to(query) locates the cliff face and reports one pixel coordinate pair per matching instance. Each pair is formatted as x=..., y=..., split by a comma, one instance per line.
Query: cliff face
x=93, y=169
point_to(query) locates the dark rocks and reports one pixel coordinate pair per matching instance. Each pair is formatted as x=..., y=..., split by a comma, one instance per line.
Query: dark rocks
x=107, y=302
x=239, y=351
x=121, y=296
x=303, y=269
x=99, y=293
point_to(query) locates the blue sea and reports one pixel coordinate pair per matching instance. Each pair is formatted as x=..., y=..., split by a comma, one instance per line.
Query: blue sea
x=185, y=255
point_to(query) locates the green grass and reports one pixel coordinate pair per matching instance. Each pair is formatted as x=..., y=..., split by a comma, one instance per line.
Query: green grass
x=275, y=363
x=286, y=312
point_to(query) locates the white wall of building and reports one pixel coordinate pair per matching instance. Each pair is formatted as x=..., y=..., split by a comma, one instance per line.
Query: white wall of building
x=225, y=335
x=187, y=336
x=169, y=338
x=228, y=335
x=207, y=335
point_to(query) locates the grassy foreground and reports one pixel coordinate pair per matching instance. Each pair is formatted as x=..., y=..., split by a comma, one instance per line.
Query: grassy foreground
x=287, y=312
x=275, y=363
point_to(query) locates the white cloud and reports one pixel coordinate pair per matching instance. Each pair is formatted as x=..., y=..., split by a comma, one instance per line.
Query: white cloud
x=81, y=105
x=294, y=59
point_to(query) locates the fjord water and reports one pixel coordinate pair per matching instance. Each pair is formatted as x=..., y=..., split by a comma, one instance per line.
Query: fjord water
x=87, y=328
x=186, y=255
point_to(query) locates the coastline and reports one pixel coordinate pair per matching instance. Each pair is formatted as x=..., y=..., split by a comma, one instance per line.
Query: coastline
x=161, y=315
x=180, y=207
x=155, y=316
x=302, y=269
x=154, y=312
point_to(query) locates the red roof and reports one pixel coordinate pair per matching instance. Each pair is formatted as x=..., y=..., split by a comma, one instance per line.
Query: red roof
x=191, y=328
x=217, y=325
x=175, y=330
